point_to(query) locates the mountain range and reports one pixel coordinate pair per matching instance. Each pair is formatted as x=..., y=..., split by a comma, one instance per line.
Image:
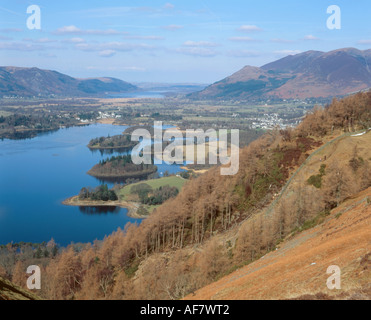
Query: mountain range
x=36, y=82
x=312, y=74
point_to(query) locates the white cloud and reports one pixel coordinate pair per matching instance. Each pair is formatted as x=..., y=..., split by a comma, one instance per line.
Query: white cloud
x=45, y=40
x=75, y=40
x=169, y=6
x=68, y=29
x=364, y=41
x=116, y=46
x=242, y=39
x=144, y=37
x=8, y=30
x=47, y=55
x=75, y=30
x=287, y=52
x=249, y=28
x=107, y=53
x=21, y=46
x=197, y=51
x=134, y=69
x=172, y=27
x=198, y=48
x=42, y=40
x=200, y=44
x=310, y=37
x=5, y=38
x=124, y=11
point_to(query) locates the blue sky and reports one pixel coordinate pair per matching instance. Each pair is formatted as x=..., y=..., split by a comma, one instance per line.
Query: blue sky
x=198, y=41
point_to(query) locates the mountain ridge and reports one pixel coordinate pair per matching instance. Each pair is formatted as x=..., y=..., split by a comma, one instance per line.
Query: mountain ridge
x=19, y=81
x=311, y=74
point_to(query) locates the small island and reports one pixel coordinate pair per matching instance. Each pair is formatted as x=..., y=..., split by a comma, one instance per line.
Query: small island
x=122, y=142
x=121, y=168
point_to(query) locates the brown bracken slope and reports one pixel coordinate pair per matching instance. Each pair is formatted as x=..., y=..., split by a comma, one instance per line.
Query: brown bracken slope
x=298, y=269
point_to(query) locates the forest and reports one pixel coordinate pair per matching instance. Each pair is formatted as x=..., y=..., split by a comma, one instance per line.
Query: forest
x=116, y=142
x=217, y=223
x=18, y=126
x=148, y=196
x=101, y=193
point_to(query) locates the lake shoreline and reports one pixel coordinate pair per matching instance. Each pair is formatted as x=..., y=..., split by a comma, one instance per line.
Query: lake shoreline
x=61, y=159
x=110, y=148
x=132, y=207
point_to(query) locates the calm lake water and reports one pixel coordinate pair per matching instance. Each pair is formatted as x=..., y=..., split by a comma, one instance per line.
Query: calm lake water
x=37, y=174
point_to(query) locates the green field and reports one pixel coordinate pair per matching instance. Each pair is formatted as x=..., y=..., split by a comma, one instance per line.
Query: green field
x=155, y=184
x=5, y=113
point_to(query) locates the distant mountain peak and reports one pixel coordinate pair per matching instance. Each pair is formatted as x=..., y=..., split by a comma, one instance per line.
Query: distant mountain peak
x=310, y=74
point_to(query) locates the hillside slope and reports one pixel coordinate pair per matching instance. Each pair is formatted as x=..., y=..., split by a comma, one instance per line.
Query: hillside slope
x=37, y=82
x=312, y=74
x=9, y=291
x=298, y=268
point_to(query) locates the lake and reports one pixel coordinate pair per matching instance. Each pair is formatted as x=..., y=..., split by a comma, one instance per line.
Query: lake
x=37, y=174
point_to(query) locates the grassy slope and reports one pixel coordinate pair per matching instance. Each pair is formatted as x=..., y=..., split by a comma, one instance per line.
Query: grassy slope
x=155, y=184
x=173, y=181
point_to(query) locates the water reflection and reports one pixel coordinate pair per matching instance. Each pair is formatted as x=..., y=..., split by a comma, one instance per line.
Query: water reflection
x=121, y=151
x=100, y=210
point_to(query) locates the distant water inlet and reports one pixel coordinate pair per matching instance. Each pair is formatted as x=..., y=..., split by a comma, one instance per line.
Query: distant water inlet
x=197, y=147
x=139, y=95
